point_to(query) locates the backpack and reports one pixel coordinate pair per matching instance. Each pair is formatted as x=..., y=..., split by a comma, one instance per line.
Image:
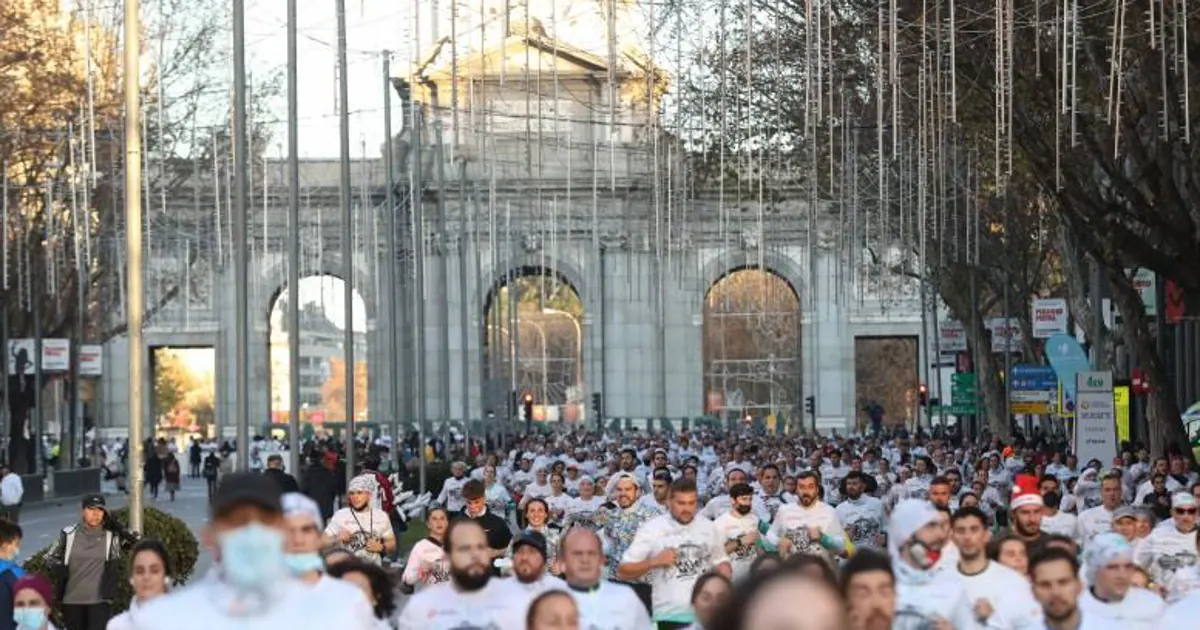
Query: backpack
x=384, y=488
x=210, y=469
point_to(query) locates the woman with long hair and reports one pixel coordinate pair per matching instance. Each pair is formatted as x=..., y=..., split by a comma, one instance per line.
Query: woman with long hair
x=150, y=575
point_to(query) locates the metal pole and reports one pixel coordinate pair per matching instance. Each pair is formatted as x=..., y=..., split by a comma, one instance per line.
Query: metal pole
x=347, y=234
x=389, y=267
x=293, y=251
x=39, y=380
x=463, y=320
x=133, y=258
x=444, y=233
x=241, y=253
x=418, y=285
x=1007, y=322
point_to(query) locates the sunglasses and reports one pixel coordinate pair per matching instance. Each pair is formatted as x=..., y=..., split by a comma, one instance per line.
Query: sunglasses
x=1185, y=510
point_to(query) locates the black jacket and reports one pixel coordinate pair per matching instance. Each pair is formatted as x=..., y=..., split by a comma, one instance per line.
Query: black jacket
x=320, y=484
x=286, y=482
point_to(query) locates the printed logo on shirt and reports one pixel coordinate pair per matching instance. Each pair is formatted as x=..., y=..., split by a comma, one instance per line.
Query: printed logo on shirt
x=802, y=543
x=1176, y=561
x=864, y=530
x=912, y=619
x=691, y=560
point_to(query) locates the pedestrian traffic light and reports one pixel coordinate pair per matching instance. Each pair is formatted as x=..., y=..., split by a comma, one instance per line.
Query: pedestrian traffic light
x=598, y=405
x=923, y=395
x=810, y=405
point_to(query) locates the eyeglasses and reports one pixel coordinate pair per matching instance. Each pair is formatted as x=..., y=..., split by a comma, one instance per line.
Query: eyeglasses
x=1185, y=510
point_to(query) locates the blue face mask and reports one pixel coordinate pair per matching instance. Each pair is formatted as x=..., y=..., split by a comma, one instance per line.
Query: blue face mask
x=29, y=618
x=304, y=563
x=252, y=557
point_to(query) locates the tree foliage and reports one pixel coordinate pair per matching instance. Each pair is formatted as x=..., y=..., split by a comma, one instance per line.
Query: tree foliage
x=333, y=391
x=62, y=155
x=923, y=117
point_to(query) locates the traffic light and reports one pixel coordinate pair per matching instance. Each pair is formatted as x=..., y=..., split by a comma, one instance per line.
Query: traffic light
x=810, y=405
x=527, y=403
x=598, y=406
x=923, y=395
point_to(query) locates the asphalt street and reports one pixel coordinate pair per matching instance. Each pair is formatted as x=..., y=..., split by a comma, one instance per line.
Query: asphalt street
x=43, y=522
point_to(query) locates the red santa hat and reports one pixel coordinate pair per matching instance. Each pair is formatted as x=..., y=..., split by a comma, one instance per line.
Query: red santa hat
x=1025, y=492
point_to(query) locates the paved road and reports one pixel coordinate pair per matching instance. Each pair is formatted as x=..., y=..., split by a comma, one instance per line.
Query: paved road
x=42, y=523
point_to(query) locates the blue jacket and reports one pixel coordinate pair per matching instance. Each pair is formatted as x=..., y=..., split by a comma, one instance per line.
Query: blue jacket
x=9, y=574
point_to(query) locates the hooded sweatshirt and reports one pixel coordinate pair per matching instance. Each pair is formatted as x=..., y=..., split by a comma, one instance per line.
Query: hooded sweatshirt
x=923, y=595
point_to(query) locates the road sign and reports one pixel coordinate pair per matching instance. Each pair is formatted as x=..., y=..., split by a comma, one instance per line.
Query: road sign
x=955, y=410
x=1030, y=401
x=1034, y=378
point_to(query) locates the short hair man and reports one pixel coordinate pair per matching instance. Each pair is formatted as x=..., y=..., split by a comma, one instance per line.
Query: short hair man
x=602, y=604
x=869, y=588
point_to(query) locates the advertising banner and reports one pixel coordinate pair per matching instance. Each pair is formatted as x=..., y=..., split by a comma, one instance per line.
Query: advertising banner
x=1049, y=317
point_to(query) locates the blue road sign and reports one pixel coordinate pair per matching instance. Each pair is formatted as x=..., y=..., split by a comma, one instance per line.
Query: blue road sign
x=1034, y=378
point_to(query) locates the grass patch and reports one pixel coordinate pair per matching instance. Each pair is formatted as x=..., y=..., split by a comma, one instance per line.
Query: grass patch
x=416, y=531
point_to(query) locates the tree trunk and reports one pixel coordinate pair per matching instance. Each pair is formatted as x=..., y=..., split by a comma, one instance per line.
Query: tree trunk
x=1162, y=412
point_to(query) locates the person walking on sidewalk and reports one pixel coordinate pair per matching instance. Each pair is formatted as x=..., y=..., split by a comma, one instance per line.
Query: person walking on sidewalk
x=171, y=473
x=12, y=490
x=87, y=561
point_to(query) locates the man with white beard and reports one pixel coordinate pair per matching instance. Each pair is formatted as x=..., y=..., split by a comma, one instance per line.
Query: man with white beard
x=1000, y=597
x=472, y=597
x=810, y=527
x=1169, y=551
x=925, y=594
x=1108, y=568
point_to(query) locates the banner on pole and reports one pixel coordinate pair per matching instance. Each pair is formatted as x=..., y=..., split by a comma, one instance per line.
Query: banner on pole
x=1049, y=317
x=91, y=359
x=1095, y=417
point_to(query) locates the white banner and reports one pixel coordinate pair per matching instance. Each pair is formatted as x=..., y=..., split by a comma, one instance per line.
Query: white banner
x=20, y=356
x=91, y=360
x=56, y=355
x=1095, y=418
x=1049, y=317
x=1006, y=334
x=952, y=336
x=1146, y=284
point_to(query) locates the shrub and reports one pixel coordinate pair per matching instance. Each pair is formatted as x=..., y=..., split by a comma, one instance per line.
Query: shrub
x=175, y=535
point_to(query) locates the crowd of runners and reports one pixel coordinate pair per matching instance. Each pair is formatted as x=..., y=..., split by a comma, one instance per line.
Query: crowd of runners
x=712, y=531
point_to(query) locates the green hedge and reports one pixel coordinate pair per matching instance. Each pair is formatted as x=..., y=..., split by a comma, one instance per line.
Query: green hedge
x=175, y=535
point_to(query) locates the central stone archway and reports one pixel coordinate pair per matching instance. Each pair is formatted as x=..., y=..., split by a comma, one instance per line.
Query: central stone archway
x=533, y=338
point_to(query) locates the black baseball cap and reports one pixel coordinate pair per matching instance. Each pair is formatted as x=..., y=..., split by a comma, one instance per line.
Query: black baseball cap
x=94, y=500
x=533, y=539
x=247, y=488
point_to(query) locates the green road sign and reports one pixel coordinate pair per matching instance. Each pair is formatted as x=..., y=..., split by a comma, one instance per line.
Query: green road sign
x=955, y=409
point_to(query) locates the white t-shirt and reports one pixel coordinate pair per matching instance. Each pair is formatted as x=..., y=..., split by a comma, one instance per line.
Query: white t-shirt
x=1093, y=521
x=209, y=603
x=501, y=604
x=863, y=519
x=361, y=527
x=427, y=564
x=1013, y=605
x=451, y=495
x=699, y=548
x=732, y=527
x=792, y=522
x=1165, y=553
x=1182, y=613
x=611, y=606
x=1062, y=524
x=545, y=583
x=1140, y=610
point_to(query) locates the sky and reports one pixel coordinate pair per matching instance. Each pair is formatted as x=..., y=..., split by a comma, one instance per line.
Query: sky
x=328, y=291
x=372, y=26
